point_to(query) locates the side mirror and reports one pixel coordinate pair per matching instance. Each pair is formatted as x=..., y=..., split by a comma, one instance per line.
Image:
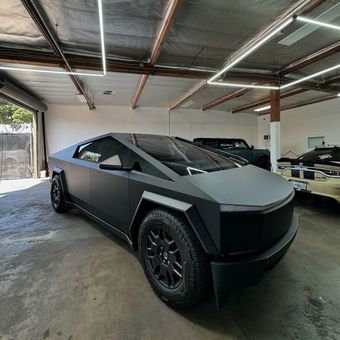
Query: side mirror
x=252, y=147
x=104, y=166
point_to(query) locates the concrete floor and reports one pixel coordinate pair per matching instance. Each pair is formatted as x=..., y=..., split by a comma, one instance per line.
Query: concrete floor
x=63, y=277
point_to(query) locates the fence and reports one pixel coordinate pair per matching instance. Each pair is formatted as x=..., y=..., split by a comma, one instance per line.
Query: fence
x=15, y=152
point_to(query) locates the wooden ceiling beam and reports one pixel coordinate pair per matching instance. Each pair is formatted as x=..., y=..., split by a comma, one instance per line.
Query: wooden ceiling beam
x=309, y=102
x=92, y=63
x=187, y=95
x=44, y=29
x=312, y=58
x=300, y=8
x=266, y=101
x=225, y=98
x=326, y=86
x=164, y=29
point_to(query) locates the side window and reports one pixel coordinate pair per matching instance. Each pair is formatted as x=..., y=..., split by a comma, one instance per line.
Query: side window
x=213, y=144
x=146, y=167
x=90, y=151
x=115, y=153
x=226, y=145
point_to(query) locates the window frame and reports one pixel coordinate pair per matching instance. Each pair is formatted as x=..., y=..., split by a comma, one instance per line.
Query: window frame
x=169, y=175
x=125, y=136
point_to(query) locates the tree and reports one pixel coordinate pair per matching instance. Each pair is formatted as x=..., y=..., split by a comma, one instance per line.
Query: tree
x=13, y=115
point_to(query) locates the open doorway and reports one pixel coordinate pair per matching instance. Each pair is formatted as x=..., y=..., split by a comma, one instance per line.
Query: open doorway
x=16, y=155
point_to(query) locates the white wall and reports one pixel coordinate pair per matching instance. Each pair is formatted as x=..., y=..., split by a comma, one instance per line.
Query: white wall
x=67, y=125
x=321, y=119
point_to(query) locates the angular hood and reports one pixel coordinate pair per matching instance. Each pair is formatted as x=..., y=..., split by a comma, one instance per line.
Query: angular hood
x=245, y=186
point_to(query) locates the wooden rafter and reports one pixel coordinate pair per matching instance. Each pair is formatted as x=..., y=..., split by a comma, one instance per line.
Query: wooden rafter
x=43, y=27
x=158, y=43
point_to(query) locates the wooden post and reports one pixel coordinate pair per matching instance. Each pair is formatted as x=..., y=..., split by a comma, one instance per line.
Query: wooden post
x=275, y=134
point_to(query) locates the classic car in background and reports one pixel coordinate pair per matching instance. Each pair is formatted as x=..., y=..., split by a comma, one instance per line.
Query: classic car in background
x=316, y=172
x=190, y=212
x=239, y=147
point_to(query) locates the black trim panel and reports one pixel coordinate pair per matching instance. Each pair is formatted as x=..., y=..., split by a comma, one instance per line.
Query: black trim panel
x=106, y=225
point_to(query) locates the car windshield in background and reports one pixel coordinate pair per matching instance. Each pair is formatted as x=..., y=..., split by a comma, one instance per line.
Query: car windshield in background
x=181, y=157
x=322, y=155
x=237, y=144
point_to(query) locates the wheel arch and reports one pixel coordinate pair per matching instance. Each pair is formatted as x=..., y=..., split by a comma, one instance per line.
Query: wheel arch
x=61, y=173
x=151, y=201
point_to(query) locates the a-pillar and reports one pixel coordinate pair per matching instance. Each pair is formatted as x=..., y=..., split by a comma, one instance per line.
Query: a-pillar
x=275, y=133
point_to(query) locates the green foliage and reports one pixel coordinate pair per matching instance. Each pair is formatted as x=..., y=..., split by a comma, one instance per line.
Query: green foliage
x=13, y=115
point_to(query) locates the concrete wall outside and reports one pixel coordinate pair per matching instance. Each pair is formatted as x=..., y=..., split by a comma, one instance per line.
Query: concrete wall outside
x=66, y=125
x=317, y=120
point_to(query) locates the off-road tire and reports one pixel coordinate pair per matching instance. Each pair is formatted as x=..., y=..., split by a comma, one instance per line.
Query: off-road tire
x=191, y=287
x=57, y=195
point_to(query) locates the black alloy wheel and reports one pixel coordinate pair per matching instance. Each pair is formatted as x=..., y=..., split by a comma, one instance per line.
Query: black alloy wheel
x=164, y=258
x=172, y=257
x=57, y=195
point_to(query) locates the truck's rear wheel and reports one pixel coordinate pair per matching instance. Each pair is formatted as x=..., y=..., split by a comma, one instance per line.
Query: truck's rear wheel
x=57, y=195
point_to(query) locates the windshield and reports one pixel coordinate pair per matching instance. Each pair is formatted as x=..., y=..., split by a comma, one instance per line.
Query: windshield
x=237, y=144
x=183, y=158
x=322, y=155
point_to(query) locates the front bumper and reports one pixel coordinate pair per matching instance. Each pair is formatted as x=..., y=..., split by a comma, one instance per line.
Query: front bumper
x=240, y=274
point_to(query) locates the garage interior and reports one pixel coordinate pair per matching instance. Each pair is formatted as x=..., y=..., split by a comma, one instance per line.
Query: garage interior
x=267, y=71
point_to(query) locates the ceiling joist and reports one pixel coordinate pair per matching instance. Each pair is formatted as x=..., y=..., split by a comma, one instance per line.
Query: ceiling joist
x=312, y=58
x=93, y=63
x=309, y=102
x=188, y=95
x=44, y=29
x=266, y=101
x=328, y=84
x=299, y=64
x=299, y=8
x=226, y=98
x=168, y=19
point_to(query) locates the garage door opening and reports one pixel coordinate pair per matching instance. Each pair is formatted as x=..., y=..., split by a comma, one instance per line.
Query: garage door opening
x=16, y=152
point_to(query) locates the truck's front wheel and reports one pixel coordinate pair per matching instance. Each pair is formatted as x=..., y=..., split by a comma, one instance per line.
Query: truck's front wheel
x=172, y=257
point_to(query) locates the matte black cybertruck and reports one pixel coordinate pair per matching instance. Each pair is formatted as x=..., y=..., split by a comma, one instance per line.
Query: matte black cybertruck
x=191, y=213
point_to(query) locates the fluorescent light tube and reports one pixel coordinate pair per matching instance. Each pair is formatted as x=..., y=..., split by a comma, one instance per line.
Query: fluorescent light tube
x=244, y=85
x=327, y=16
x=311, y=76
x=101, y=25
x=263, y=108
x=9, y=68
x=250, y=50
x=319, y=23
x=49, y=71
